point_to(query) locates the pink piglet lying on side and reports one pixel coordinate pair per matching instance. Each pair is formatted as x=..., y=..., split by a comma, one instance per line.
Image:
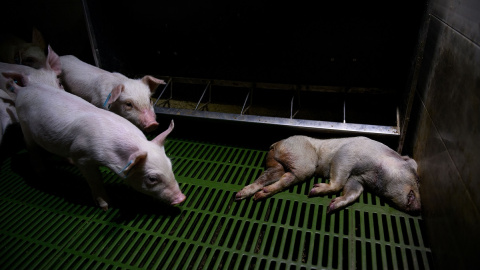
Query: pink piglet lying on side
x=351, y=164
x=68, y=126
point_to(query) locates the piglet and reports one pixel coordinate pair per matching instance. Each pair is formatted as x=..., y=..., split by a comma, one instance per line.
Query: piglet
x=15, y=50
x=8, y=114
x=69, y=126
x=48, y=74
x=350, y=163
x=129, y=98
x=45, y=75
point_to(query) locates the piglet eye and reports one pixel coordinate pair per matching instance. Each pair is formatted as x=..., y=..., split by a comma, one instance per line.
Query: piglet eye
x=152, y=180
x=128, y=105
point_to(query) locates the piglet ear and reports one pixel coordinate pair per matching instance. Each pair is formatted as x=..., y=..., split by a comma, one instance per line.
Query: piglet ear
x=113, y=96
x=17, y=77
x=53, y=61
x=411, y=162
x=152, y=82
x=37, y=38
x=14, y=80
x=116, y=91
x=133, y=160
x=160, y=139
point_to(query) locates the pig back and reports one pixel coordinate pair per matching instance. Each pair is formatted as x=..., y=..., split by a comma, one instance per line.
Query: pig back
x=43, y=75
x=84, y=80
x=56, y=120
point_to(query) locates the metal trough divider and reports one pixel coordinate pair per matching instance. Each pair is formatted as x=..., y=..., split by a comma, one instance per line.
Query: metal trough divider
x=201, y=110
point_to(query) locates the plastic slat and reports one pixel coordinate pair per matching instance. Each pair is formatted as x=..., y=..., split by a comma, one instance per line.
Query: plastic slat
x=211, y=230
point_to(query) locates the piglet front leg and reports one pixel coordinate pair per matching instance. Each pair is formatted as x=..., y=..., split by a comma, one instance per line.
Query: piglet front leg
x=351, y=191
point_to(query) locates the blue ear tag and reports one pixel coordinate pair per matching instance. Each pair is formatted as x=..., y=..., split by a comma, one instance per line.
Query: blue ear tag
x=124, y=168
x=11, y=88
x=105, y=104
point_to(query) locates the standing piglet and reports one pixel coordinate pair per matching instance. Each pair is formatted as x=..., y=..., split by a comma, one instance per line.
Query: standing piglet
x=68, y=126
x=349, y=163
x=126, y=97
x=48, y=74
x=45, y=75
x=15, y=50
x=8, y=114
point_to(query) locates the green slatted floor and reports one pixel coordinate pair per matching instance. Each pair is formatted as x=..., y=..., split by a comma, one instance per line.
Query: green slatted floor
x=43, y=226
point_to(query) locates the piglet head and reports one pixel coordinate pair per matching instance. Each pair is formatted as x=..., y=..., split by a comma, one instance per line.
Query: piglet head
x=32, y=54
x=150, y=172
x=24, y=75
x=132, y=100
x=403, y=187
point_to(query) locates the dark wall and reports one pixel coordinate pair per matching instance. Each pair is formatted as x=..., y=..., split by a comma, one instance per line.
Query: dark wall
x=62, y=24
x=446, y=139
x=359, y=43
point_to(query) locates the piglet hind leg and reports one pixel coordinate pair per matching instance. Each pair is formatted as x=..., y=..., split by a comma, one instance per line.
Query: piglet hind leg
x=351, y=192
x=287, y=180
x=274, y=170
x=94, y=180
x=269, y=176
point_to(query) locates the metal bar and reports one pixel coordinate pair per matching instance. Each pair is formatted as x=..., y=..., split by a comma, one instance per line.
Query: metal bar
x=91, y=34
x=281, y=86
x=292, y=114
x=398, y=118
x=345, y=91
x=203, y=94
x=164, y=88
x=291, y=108
x=245, y=102
x=334, y=127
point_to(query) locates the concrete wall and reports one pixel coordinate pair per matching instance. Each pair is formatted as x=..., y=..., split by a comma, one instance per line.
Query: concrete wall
x=445, y=138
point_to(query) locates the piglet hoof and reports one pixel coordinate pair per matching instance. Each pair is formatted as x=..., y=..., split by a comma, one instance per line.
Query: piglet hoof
x=313, y=192
x=102, y=204
x=239, y=196
x=331, y=207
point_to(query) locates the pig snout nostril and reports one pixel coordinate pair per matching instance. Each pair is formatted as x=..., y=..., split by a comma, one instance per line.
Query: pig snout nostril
x=151, y=127
x=181, y=198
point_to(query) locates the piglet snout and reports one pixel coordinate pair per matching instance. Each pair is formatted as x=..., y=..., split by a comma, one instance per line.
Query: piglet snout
x=179, y=199
x=150, y=126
